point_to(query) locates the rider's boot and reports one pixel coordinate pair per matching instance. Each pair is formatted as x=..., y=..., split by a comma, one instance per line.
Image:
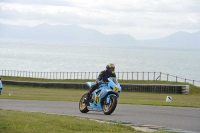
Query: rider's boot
x=88, y=95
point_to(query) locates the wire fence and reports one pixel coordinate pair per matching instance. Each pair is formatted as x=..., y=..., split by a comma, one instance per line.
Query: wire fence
x=93, y=75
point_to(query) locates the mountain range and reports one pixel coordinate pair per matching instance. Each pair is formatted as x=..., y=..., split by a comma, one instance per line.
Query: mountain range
x=78, y=34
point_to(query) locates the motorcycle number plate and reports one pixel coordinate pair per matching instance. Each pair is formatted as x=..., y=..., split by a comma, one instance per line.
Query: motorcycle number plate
x=97, y=99
x=115, y=89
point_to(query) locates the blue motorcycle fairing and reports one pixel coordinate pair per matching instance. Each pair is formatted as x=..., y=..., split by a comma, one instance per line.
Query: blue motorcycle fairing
x=89, y=84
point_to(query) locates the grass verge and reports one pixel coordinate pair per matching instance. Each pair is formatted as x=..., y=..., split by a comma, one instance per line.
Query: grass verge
x=74, y=95
x=25, y=122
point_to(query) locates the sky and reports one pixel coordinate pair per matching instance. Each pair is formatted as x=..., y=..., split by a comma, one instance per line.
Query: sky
x=142, y=19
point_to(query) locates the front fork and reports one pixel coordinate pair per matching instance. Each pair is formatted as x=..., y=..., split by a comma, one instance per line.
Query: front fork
x=108, y=98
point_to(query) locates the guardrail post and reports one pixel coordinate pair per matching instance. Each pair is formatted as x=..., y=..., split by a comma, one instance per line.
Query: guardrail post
x=118, y=74
x=160, y=75
x=132, y=75
x=89, y=75
x=167, y=76
x=96, y=74
x=143, y=75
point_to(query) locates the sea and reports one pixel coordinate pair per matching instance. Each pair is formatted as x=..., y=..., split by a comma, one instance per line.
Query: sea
x=44, y=56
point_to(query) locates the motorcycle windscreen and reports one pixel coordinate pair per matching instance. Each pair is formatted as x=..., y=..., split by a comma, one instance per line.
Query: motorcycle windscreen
x=114, y=79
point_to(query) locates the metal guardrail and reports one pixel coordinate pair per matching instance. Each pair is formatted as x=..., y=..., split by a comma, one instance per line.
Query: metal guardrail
x=93, y=75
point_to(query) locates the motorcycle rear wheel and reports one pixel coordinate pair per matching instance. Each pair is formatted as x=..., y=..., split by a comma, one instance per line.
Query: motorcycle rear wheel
x=83, y=106
x=109, y=108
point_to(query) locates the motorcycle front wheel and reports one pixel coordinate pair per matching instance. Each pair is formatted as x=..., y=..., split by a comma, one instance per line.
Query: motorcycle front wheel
x=110, y=107
x=83, y=106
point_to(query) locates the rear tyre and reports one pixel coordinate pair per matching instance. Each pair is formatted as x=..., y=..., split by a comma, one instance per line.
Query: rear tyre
x=82, y=105
x=109, y=108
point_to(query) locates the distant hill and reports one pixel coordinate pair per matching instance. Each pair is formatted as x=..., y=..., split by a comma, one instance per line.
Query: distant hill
x=67, y=33
x=77, y=34
x=178, y=39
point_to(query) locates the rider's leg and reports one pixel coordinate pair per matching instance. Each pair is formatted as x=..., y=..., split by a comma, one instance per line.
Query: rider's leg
x=93, y=87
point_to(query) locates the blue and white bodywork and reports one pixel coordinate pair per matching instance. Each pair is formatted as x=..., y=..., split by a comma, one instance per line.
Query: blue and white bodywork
x=104, y=98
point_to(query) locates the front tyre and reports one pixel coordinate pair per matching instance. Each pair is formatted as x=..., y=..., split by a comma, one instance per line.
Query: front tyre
x=82, y=105
x=110, y=107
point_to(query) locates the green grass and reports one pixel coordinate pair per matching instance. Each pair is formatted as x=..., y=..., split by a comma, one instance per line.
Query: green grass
x=25, y=122
x=74, y=95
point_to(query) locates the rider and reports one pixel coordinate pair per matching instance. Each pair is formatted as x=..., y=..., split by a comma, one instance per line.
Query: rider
x=103, y=77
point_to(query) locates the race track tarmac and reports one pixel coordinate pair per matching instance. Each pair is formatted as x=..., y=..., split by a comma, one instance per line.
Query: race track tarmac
x=187, y=119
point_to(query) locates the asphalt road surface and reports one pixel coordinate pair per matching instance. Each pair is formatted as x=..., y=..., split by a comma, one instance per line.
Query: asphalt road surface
x=187, y=119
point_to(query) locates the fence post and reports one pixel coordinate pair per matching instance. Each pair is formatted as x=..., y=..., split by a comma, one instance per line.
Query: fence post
x=143, y=75
x=176, y=78
x=118, y=74
x=160, y=75
x=148, y=75
x=193, y=82
x=127, y=75
x=88, y=75
x=154, y=76
x=132, y=75
x=167, y=76
x=137, y=75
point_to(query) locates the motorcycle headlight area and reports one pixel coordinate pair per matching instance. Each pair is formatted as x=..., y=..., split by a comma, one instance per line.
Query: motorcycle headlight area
x=116, y=89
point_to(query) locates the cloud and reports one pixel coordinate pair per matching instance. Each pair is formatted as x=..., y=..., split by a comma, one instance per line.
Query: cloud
x=125, y=16
x=39, y=2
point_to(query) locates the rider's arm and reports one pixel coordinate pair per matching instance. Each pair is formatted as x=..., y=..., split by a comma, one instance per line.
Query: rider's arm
x=100, y=77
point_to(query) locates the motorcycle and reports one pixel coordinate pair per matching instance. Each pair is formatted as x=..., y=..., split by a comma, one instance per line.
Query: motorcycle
x=102, y=99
